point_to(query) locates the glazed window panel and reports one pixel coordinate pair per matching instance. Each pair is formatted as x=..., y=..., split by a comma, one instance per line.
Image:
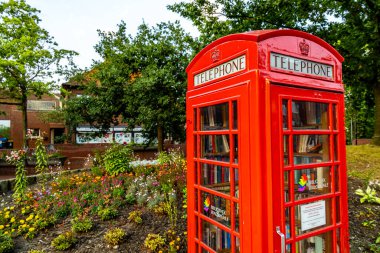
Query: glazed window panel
x=216, y=177
x=312, y=216
x=309, y=115
x=311, y=148
x=237, y=213
x=217, y=208
x=235, y=114
x=285, y=114
x=216, y=238
x=236, y=178
x=286, y=186
x=215, y=117
x=195, y=119
x=286, y=150
x=320, y=243
x=312, y=182
x=215, y=147
x=236, y=148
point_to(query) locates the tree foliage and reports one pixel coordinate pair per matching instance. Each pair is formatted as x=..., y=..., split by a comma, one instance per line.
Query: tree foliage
x=349, y=25
x=28, y=55
x=141, y=80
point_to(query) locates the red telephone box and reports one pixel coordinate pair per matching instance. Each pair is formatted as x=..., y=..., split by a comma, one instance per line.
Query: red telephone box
x=266, y=145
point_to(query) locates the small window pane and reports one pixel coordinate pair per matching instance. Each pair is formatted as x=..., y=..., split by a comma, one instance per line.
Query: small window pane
x=286, y=150
x=287, y=223
x=286, y=186
x=237, y=243
x=216, y=238
x=336, y=153
x=312, y=216
x=236, y=177
x=236, y=149
x=215, y=117
x=335, y=117
x=195, y=119
x=216, y=178
x=309, y=115
x=337, y=210
x=196, y=226
x=337, y=182
x=319, y=243
x=236, y=216
x=195, y=173
x=196, y=199
x=312, y=182
x=235, y=114
x=216, y=208
x=215, y=147
x=311, y=148
x=195, y=146
x=285, y=114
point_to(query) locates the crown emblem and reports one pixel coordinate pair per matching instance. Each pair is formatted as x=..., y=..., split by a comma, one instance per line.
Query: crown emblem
x=215, y=55
x=304, y=47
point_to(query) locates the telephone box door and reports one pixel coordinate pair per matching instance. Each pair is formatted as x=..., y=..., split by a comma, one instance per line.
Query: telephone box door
x=216, y=178
x=309, y=174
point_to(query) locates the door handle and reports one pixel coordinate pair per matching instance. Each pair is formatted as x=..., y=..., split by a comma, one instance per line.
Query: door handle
x=278, y=230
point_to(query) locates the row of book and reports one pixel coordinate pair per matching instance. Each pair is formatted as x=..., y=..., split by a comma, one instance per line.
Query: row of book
x=307, y=143
x=216, y=238
x=215, y=174
x=215, y=117
x=307, y=114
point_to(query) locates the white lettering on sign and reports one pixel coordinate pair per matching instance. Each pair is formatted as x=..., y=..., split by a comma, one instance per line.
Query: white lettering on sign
x=221, y=70
x=313, y=215
x=219, y=213
x=288, y=63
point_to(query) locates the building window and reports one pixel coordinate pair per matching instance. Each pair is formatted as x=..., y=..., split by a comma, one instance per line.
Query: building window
x=38, y=105
x=34, y=133
x=5, y=129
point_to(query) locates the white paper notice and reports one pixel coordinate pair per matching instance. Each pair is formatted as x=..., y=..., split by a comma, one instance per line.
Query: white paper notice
x=313, y=215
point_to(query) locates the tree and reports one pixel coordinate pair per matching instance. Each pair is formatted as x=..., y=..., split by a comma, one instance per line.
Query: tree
x=349, y=25
x=141, y=78
x=28, y=56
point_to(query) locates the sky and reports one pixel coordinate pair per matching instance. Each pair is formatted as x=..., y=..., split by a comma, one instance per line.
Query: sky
x=74, y=23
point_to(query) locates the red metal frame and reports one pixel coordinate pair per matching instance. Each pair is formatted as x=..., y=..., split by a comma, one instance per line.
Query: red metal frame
x=259, y=92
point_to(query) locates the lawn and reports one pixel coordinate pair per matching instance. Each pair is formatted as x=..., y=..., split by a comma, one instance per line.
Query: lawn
x=363, y=162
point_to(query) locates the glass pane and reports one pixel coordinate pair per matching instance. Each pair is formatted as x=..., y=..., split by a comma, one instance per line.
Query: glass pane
x=215, y=147
x=337, y=209
x=288, y=248
x=335, y=117
x=309, y=115
x=237, y=240
x=215, y=117
x=196, y=226
x=236, y=177
x=216, y=177
x=216, y=238
x=236, y=216
x=195, y=173
x=338, y=240
x=287, y=223
x=235, y=115
x=195, y=119
x=311, y=148
x=286, y=150
x=217, y=208
x=320, y=243
x=286, y=186
x=312, y=216
x=336, y=156
x=312, y=182
x=205, y=251
x=195, y=146
x=196, y=199
x=285, y=114
x=236, y=149
x=336, y=172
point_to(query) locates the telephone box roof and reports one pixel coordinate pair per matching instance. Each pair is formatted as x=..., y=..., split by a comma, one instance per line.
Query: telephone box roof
x=261, y=35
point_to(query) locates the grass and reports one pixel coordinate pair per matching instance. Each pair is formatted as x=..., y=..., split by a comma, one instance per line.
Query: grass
x=363, y=162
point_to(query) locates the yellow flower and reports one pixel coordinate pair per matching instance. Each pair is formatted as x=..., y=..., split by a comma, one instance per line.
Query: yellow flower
x=13, y=219
x=177, y=247
x=22, y=221
x=171, y=243
x=178, y=239
x=23, y=226
x=6, y=232
x=12, y=208
x=31, y=229
x=1, y=226
x=185, y=233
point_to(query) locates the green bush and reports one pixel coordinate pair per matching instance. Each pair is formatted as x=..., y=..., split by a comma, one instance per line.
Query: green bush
x=108, y=213
x=36, y=251
x=116, y=159
x=114, y=236
x=154, y=241
x=81, y=225
x=6, y=243
x=135, y=216
x=64, y=241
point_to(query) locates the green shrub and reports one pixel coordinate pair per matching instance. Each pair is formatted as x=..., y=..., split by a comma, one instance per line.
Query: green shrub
x=108, y=213
x=45, y=222
x=97, y=171
x=36, y=251
x=130, y=198
x=114, y=236
x=154, y=241
x=81, y=225
x=6, y=243
x=135, y=216
x=116, y=159
x=64, y=241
